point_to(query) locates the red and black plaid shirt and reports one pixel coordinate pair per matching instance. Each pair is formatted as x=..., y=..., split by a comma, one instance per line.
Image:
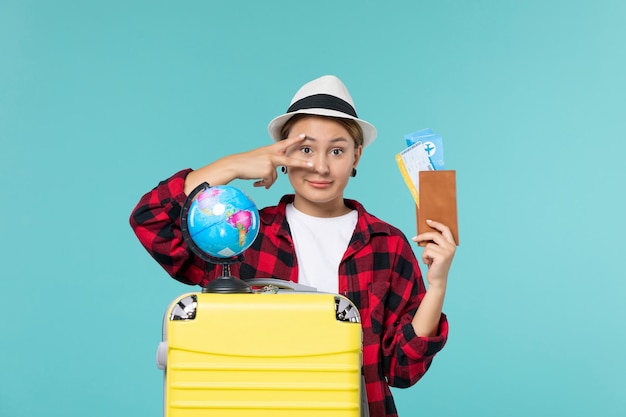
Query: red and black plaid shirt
x=378, y=272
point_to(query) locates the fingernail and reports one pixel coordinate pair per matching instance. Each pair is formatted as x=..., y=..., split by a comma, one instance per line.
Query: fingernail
x=309, y=164
x=302, y=136
x=428, y=221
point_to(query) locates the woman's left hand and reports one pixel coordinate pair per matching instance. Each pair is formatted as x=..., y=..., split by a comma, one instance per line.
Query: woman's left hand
x=437, y=253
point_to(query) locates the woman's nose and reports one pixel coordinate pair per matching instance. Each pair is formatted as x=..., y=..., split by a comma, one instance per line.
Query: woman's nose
x=321, y=164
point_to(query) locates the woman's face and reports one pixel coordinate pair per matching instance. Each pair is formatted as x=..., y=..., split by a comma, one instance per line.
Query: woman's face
x=334, y=154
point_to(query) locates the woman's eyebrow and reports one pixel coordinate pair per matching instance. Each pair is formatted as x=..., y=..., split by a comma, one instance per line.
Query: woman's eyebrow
x=338, y=139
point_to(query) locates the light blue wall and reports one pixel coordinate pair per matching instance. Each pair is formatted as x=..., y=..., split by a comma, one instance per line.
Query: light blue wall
x=101, y=100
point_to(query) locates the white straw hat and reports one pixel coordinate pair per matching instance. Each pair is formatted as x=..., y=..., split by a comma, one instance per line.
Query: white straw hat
x=324, y=96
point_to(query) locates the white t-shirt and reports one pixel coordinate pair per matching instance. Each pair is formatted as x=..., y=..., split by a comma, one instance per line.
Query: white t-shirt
x=320, y=243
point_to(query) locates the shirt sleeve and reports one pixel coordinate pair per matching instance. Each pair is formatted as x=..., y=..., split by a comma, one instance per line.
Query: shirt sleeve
x=156, y=222
x=407, y=356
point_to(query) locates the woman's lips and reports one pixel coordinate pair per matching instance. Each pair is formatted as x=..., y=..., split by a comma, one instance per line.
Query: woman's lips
x=319, y=184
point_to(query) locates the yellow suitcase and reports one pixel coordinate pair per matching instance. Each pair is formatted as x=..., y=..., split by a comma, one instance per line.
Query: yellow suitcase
x=270, y=353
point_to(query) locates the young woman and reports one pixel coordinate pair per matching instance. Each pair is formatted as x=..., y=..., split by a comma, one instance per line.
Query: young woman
x=317, y=237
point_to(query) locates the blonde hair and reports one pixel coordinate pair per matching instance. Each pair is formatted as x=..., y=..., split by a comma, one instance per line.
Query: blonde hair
x=350, y=125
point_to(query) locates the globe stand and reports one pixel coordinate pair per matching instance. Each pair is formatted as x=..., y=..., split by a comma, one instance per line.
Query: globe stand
x=225, y=283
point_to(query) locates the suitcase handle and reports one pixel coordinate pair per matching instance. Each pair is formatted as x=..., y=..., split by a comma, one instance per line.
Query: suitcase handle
x=280, y=283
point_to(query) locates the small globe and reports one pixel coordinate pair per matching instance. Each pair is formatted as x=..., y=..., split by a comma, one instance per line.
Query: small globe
x=222, y=221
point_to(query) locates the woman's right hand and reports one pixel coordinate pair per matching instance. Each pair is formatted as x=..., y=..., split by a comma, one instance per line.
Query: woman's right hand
x=262, y=163
x=258, y=164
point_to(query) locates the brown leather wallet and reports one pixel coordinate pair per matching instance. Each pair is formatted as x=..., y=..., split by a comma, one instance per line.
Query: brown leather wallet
x=437, y=197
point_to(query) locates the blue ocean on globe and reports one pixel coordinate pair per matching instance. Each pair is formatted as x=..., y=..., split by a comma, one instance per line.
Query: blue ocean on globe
x=222, y=221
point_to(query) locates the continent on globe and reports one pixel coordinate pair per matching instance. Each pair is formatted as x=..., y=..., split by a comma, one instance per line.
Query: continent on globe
x=241, y=220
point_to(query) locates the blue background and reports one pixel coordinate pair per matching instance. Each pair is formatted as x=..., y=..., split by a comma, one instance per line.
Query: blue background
x=101, y=100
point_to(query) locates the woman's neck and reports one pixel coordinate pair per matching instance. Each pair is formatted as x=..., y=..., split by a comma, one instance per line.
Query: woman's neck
x=329, y=209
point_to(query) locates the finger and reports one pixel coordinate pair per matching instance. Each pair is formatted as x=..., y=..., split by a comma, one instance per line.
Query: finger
x=445, y=230
x=436, y=225
x=283, y=145
x=266, y=182
x=435, y=256
x=263, y=183
x=272, y=180
x=292, y=162
x=428, y=236
x=428, y=257
x=436, y=244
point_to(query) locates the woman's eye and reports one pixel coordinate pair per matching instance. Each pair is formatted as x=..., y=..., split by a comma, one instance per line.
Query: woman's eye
x=337, y=151
x=306, y=150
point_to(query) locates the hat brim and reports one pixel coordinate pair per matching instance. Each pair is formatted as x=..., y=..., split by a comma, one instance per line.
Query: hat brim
x=275, y=126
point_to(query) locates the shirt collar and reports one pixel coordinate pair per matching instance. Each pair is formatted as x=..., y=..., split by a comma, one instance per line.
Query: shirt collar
x=275, y=217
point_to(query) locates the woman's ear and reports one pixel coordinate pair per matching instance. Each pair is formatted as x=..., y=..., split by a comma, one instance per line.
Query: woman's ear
x=358, y=151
